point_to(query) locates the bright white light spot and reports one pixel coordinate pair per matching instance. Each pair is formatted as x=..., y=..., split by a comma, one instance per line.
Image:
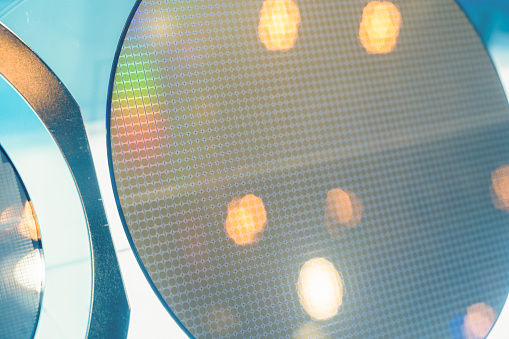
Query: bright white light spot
x=320, y=289
x=29, y=271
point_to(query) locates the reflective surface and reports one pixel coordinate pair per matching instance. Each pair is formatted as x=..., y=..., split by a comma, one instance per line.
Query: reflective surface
x=21, y=258
x=59, y=111
x=204, y=114
x=63, y=227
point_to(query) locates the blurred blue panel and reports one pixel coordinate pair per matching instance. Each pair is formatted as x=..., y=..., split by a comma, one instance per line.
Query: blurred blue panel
x=490, y=17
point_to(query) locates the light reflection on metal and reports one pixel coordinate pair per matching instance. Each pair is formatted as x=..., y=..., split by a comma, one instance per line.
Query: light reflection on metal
x=279, y=24
x=379, y=29
x=246, y=218
x=29, y=271
x=500, y=188
x=320, y=289
x=58, y=110
x=478, y=321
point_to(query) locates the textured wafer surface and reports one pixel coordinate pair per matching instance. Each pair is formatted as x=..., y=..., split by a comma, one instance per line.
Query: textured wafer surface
x=203, y=114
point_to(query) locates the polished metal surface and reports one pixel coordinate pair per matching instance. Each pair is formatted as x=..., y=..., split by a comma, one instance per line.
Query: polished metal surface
x=109, y=314
x=314, y=169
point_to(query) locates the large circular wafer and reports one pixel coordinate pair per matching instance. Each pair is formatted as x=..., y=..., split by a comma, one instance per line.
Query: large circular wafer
x=397, y=104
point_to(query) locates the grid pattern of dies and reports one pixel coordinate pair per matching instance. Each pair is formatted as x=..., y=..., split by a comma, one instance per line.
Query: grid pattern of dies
x=20, y=256
x=202, y=114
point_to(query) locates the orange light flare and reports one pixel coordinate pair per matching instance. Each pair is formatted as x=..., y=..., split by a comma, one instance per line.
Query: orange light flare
x=343, y=210
x=478, y=321
x=380, y=25
x=28, y=226
x=25, y=224
x=246, y=218
x=500, y=188
x=279, y=24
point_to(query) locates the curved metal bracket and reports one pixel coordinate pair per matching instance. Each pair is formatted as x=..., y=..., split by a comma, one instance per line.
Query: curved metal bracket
x=55, y=106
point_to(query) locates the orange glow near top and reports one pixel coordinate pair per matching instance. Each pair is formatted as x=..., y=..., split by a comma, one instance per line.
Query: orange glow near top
x=279, y=24
x=246, y=217
x=381, y=21
x=500, y=188
x=478, y=321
